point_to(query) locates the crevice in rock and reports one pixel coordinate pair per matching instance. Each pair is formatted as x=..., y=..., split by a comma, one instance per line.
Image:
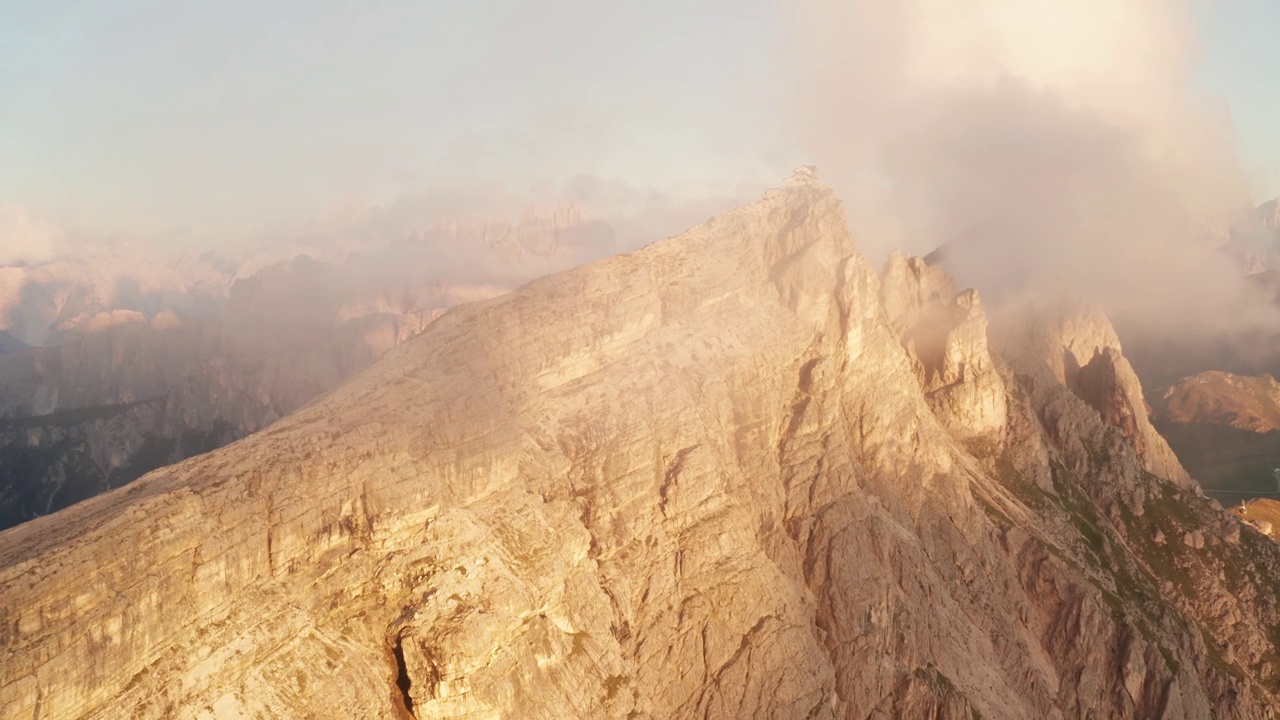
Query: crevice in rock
x=671, y=477
x=799, y=405
x=402, y=676
x=1098, y=384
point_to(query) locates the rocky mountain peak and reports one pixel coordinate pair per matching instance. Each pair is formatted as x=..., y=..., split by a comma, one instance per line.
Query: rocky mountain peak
x=1078, y=346
x=709, y=478
x=911, y=284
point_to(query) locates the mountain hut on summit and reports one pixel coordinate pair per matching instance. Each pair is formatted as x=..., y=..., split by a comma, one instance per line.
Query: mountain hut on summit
x=803, y=175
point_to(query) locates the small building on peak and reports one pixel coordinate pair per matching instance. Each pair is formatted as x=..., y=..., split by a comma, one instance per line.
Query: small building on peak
x=803, y=175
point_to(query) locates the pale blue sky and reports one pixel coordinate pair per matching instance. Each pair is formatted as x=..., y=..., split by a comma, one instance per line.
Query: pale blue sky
x=233, y=116
x=155, y=114
x=1242, y=63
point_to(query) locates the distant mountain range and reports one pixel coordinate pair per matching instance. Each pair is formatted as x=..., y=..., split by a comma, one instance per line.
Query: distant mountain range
x=112, y=366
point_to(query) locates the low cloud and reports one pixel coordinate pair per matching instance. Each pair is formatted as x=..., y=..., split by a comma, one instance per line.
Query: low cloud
x=1054, y=146
x=28, y=236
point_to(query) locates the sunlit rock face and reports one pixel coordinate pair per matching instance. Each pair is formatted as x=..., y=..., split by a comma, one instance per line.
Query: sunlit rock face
x=1077, y=346
x=945, y=336
x=705, y=479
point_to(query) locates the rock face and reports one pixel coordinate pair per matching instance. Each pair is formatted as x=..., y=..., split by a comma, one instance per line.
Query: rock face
x=945, y=336
x=700, y=480
x=1083, y=353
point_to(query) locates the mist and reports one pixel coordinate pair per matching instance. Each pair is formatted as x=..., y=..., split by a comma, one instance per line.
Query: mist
x=1050, y=147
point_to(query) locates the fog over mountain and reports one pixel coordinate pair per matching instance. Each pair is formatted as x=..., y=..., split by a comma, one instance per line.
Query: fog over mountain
x=1058, y=147
x=492, y=360
x=1044, y=135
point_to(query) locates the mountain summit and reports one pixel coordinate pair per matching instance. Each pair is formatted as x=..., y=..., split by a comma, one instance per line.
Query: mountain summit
x=736, y=473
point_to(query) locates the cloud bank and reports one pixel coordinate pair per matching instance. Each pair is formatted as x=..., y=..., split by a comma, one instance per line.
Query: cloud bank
x=28, y=236
x=1056, y=145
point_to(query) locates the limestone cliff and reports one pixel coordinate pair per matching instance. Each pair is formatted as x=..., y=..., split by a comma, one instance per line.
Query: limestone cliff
x=701, y=480
x=945, y=335
x=1080, y=350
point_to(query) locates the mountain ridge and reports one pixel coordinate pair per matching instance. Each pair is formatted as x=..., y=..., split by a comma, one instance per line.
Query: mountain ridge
x=708, y=478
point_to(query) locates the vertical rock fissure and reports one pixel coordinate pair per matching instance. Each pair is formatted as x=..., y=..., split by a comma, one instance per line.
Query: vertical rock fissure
x=402, y=676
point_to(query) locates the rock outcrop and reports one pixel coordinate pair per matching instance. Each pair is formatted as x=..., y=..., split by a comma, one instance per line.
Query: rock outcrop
x=1078, y=347
x=945, y=335
x=700, y=480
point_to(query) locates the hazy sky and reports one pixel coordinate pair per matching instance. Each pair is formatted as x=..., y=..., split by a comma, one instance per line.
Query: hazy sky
x=224, y=117
x=155, y=114
x=1240, y=56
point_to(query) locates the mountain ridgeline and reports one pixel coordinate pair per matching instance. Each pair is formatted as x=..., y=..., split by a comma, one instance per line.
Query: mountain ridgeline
x=737, y=473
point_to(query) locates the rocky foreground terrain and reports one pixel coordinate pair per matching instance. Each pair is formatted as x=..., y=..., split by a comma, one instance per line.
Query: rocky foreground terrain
x=738, y=473
x=1262, y=513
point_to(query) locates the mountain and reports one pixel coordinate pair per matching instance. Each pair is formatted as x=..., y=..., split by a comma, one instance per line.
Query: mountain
x=131, y=379
x=123, y=395
x=42, y=298
x=1226, y=429
x=1220, y=398
x=1253, y=238
x=737, y=473
x=39, y=303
